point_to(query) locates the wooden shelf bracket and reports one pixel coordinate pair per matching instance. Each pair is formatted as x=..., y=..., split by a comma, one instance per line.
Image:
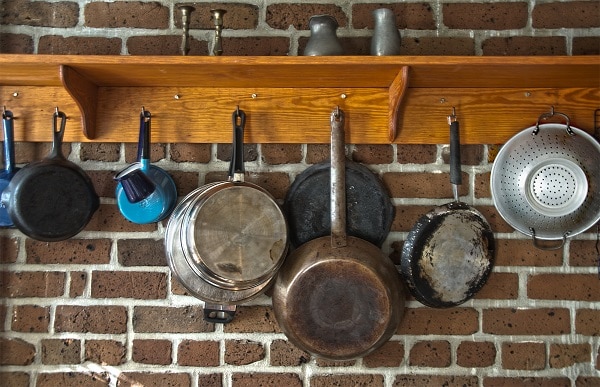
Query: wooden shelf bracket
x=396, y=91
x=85, y=94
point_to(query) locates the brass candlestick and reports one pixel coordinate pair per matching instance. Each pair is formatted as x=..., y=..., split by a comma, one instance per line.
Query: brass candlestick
x=218, y=20
x=186, y=11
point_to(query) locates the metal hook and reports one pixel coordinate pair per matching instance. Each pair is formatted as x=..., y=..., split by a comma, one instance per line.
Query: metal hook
x=552, y=113
x=452, y=117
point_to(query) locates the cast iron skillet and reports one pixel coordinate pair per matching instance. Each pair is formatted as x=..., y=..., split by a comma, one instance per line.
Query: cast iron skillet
x=52, y=199
x=449, y=252
x=369, y=213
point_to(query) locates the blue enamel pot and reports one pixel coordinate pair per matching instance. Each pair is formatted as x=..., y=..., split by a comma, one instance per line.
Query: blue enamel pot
x=145, y=193
x=9, y=164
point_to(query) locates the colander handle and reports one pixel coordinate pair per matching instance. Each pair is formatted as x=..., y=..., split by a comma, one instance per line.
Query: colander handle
x=551, y=114
x=546, y=246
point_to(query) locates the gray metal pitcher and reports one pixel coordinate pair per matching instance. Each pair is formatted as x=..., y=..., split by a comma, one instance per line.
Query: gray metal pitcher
x=386, y=37
x=323, y=39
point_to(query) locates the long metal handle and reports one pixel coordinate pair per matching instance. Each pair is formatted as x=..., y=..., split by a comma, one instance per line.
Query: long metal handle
x=455, y=162
x=338, y=180
x=9, y=147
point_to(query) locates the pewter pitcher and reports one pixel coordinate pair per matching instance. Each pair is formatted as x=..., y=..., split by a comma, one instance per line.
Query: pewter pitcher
x=386, y=37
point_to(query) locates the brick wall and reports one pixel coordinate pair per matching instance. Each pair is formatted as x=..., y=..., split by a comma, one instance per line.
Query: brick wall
x=102, y=308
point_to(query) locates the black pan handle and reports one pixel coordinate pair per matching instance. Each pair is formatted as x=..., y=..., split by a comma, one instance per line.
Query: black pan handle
x=58, y=132
x=236, y=166
x=455, y=162
x=9, y=148
x=144, y=139
x=219, y=314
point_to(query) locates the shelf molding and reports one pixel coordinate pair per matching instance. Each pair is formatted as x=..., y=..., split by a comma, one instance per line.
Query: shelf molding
x=397, y=91
x=85, y=94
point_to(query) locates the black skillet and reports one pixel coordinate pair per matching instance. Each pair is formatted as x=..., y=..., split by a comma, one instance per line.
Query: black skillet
x=52, y=199
x=307, y=205
x=449, y=252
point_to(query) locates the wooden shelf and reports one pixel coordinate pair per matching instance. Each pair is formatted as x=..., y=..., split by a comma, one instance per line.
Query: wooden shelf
x=288, y=99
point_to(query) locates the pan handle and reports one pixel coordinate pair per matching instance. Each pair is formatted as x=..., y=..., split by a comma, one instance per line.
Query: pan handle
x=9, y=149
x=455, y=162
x=338, y=180
x=143, y=155
x=236, y=166
x=219, y=314
x=546, y=247
x=57, y=134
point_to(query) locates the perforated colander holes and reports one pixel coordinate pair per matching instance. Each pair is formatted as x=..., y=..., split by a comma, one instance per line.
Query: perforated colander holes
x=554, y=188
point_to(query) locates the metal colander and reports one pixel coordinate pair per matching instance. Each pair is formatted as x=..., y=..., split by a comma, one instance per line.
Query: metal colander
x=545, y=181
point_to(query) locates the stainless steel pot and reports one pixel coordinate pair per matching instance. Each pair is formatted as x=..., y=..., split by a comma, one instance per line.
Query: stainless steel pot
x=225, y=241
x=545, y=181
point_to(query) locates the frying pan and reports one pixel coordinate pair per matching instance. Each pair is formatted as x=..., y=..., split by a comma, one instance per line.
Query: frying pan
x=338, y=297
x=52, y=199
x=9, y=162
x=145, y=193
x=307, y=205
x=226, y=240
x=449, y=253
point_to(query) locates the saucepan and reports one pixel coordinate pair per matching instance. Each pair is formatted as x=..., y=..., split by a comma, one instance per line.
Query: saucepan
x=145, y=193
x=226, y=240
x=9, y=162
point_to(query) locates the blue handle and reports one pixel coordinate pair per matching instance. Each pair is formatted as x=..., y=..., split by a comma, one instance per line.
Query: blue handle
x=9, y=146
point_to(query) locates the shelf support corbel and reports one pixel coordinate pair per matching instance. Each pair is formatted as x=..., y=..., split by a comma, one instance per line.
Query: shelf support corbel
x=85, y=94
x=396, y=93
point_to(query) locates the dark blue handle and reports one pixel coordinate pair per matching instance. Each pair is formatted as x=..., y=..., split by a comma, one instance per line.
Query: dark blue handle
x=455, y=162
x=9, y=146
x=144, y=139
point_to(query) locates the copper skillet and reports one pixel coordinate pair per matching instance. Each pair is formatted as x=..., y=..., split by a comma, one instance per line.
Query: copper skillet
x=338, y=297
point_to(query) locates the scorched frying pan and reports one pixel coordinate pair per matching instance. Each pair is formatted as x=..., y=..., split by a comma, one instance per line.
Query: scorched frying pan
x=52, y=199
x=338, y=297
x=449, y=252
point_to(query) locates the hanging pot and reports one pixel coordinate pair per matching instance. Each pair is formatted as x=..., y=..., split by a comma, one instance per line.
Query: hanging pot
x=545, y=181
x=226, y=240
x=338, y=297
x=53, y=199
x=449, y=253
x=9, y=163
x=145, y=193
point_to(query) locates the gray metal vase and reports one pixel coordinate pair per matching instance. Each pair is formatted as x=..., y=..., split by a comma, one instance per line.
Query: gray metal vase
x=323, y=39
x=386, y=37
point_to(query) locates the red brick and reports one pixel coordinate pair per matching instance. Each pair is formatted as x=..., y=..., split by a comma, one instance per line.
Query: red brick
x=93, y=319
x=3, y=312
x=526, y=381
x=198, y=353
x=238, y=16
x=429, y=321
x=500, y=286
x=9, y=249
x=251, y=319
x=30, y=318
x=16, y=352
x=191, y=153
x=281, y=16
x=586, y=322
x=506, y=321
x=417, y=16
x=103, y=183
x=141, y=252
x=266, y=379
x=109, y=352
x=109, y=219
x=435, y=380
x=256, y=45
x=31, y=284
x=475, y=354
x=187, y=319
x=429, y=45
x=421, y=185
x=470, y=154
x=587, y=381
x=416, y=153
x=275, y=154
x=242, y=352
x=525, y=45
x=158, y=151
x=317, y=153
x=496, y=221
x=61, y=351
x=164, y=45
x=572, y=14
x=77, y=251
x=578, y=287
x=60, y=14
x=78, y=45
x=129, y=284
x=430, y=354
x=390, y=354
x=14, y=379
x=406, y=216
x=78, y=282
x=566, y=355
x=482, y=185
x=98, y=151
x=210, y=380
x=346, y=380
x=127, y=14
x=373, y=154
x=485, y=16
x=152, y=351
x=16, y=44
x=185, y=182
x=284, y=353
x=154, y=379
x=250, y=152
x=586, y=45
x=583, y=253
x=522, y=252
x=524, y=356
x=87, y=379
